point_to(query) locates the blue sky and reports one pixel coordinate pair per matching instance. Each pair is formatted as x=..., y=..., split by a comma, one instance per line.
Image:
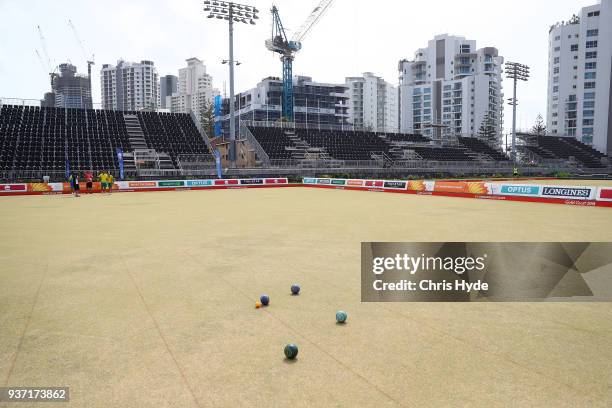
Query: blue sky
x=354, y=37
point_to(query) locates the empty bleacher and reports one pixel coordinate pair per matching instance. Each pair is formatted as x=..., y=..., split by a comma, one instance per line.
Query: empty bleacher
x=345, y=145
x=443, y=154
x=274, y=141
x=405, y=137
x=175, y=134
x=43, y=139
x=349, y=145
x=566, y=147
x=478, y=146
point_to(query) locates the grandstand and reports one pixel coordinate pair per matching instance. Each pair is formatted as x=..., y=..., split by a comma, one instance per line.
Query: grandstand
x=37, y=141
x=545, y=149
x=46, y=139
x=360, y=146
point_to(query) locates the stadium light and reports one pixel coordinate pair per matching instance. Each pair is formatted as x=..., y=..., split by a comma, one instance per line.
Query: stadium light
x=516, y=72
x=232, y=13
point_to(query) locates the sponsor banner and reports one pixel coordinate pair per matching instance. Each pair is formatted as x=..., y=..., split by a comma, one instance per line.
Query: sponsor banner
x=485, y=272
x=417, y=185
x=141, y=184
x=199, y=183
x=605, y=194
x=227, y=182
x=323, y=181
x=171, y=184
x=96, y=186
x=574, y=193
x=309, y=181
x=395, y=185
x=13, y=188
x=355, y=183
x=338, y=182
x=461, y=187
x=277, y=181
x=43, y=187
x=251, y=182
x=515, y=189
x=374, y=184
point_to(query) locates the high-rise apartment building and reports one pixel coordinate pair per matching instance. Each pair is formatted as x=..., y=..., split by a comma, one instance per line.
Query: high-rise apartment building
x=195, y=89
x=130, y=86
x=579, y=73
x=373, y=103
x=168, y=85
x=452, y=88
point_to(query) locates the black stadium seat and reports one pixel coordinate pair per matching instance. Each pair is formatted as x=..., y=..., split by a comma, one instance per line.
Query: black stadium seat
x=41, y=139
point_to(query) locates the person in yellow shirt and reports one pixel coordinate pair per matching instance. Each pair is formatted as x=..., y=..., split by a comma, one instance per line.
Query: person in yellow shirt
x=110, y=180
x=103, y=181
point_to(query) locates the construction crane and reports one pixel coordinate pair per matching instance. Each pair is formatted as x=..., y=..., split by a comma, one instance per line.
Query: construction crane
x=52, y=71
x=42, y=62
x=279, y=43
x=89, y=62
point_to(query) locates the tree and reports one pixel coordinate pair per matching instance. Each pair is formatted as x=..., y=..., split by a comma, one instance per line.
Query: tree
x=488, y=131
x=207, y=118
x=539, y=128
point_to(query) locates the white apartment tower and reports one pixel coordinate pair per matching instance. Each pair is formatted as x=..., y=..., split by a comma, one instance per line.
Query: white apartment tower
x=130, y=86
x=452, y=88
x=373, y=103
x=194, y=89
x=579, y=73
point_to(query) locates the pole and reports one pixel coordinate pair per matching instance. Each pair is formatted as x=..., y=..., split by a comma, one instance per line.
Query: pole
x=232, y=152
x=514, y=123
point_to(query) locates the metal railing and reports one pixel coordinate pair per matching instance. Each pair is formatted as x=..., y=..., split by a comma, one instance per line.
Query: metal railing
x=245, y=132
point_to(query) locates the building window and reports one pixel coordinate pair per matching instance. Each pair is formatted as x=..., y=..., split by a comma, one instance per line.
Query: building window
x=588, y=113
x=592, y=33
x=589, y=85
x=555, y=88
x=591, y=55
x=556, y=60
x=591, y=44
x=588, y=104
x=589, y=95
x=557, y=38
x=574, y=47
x=556, y=70
x=587, y=122
x=590, y=65
x=593, y=14
x=590, y=75
x=557, y=49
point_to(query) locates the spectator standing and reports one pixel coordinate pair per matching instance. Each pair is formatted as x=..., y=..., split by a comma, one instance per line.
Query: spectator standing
x=89, y=180
x=111, y=181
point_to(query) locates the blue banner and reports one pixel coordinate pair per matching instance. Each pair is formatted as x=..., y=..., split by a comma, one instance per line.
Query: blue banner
x=218, y=121
x=218, y=164
x=67, y=161
x=513, y=189
x=120, y=158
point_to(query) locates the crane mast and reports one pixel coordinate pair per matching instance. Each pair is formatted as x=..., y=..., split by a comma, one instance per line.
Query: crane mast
x=280, y=44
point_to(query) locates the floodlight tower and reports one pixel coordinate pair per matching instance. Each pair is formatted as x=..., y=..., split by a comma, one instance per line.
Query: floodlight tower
x=516, y=72
x=232, y=13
